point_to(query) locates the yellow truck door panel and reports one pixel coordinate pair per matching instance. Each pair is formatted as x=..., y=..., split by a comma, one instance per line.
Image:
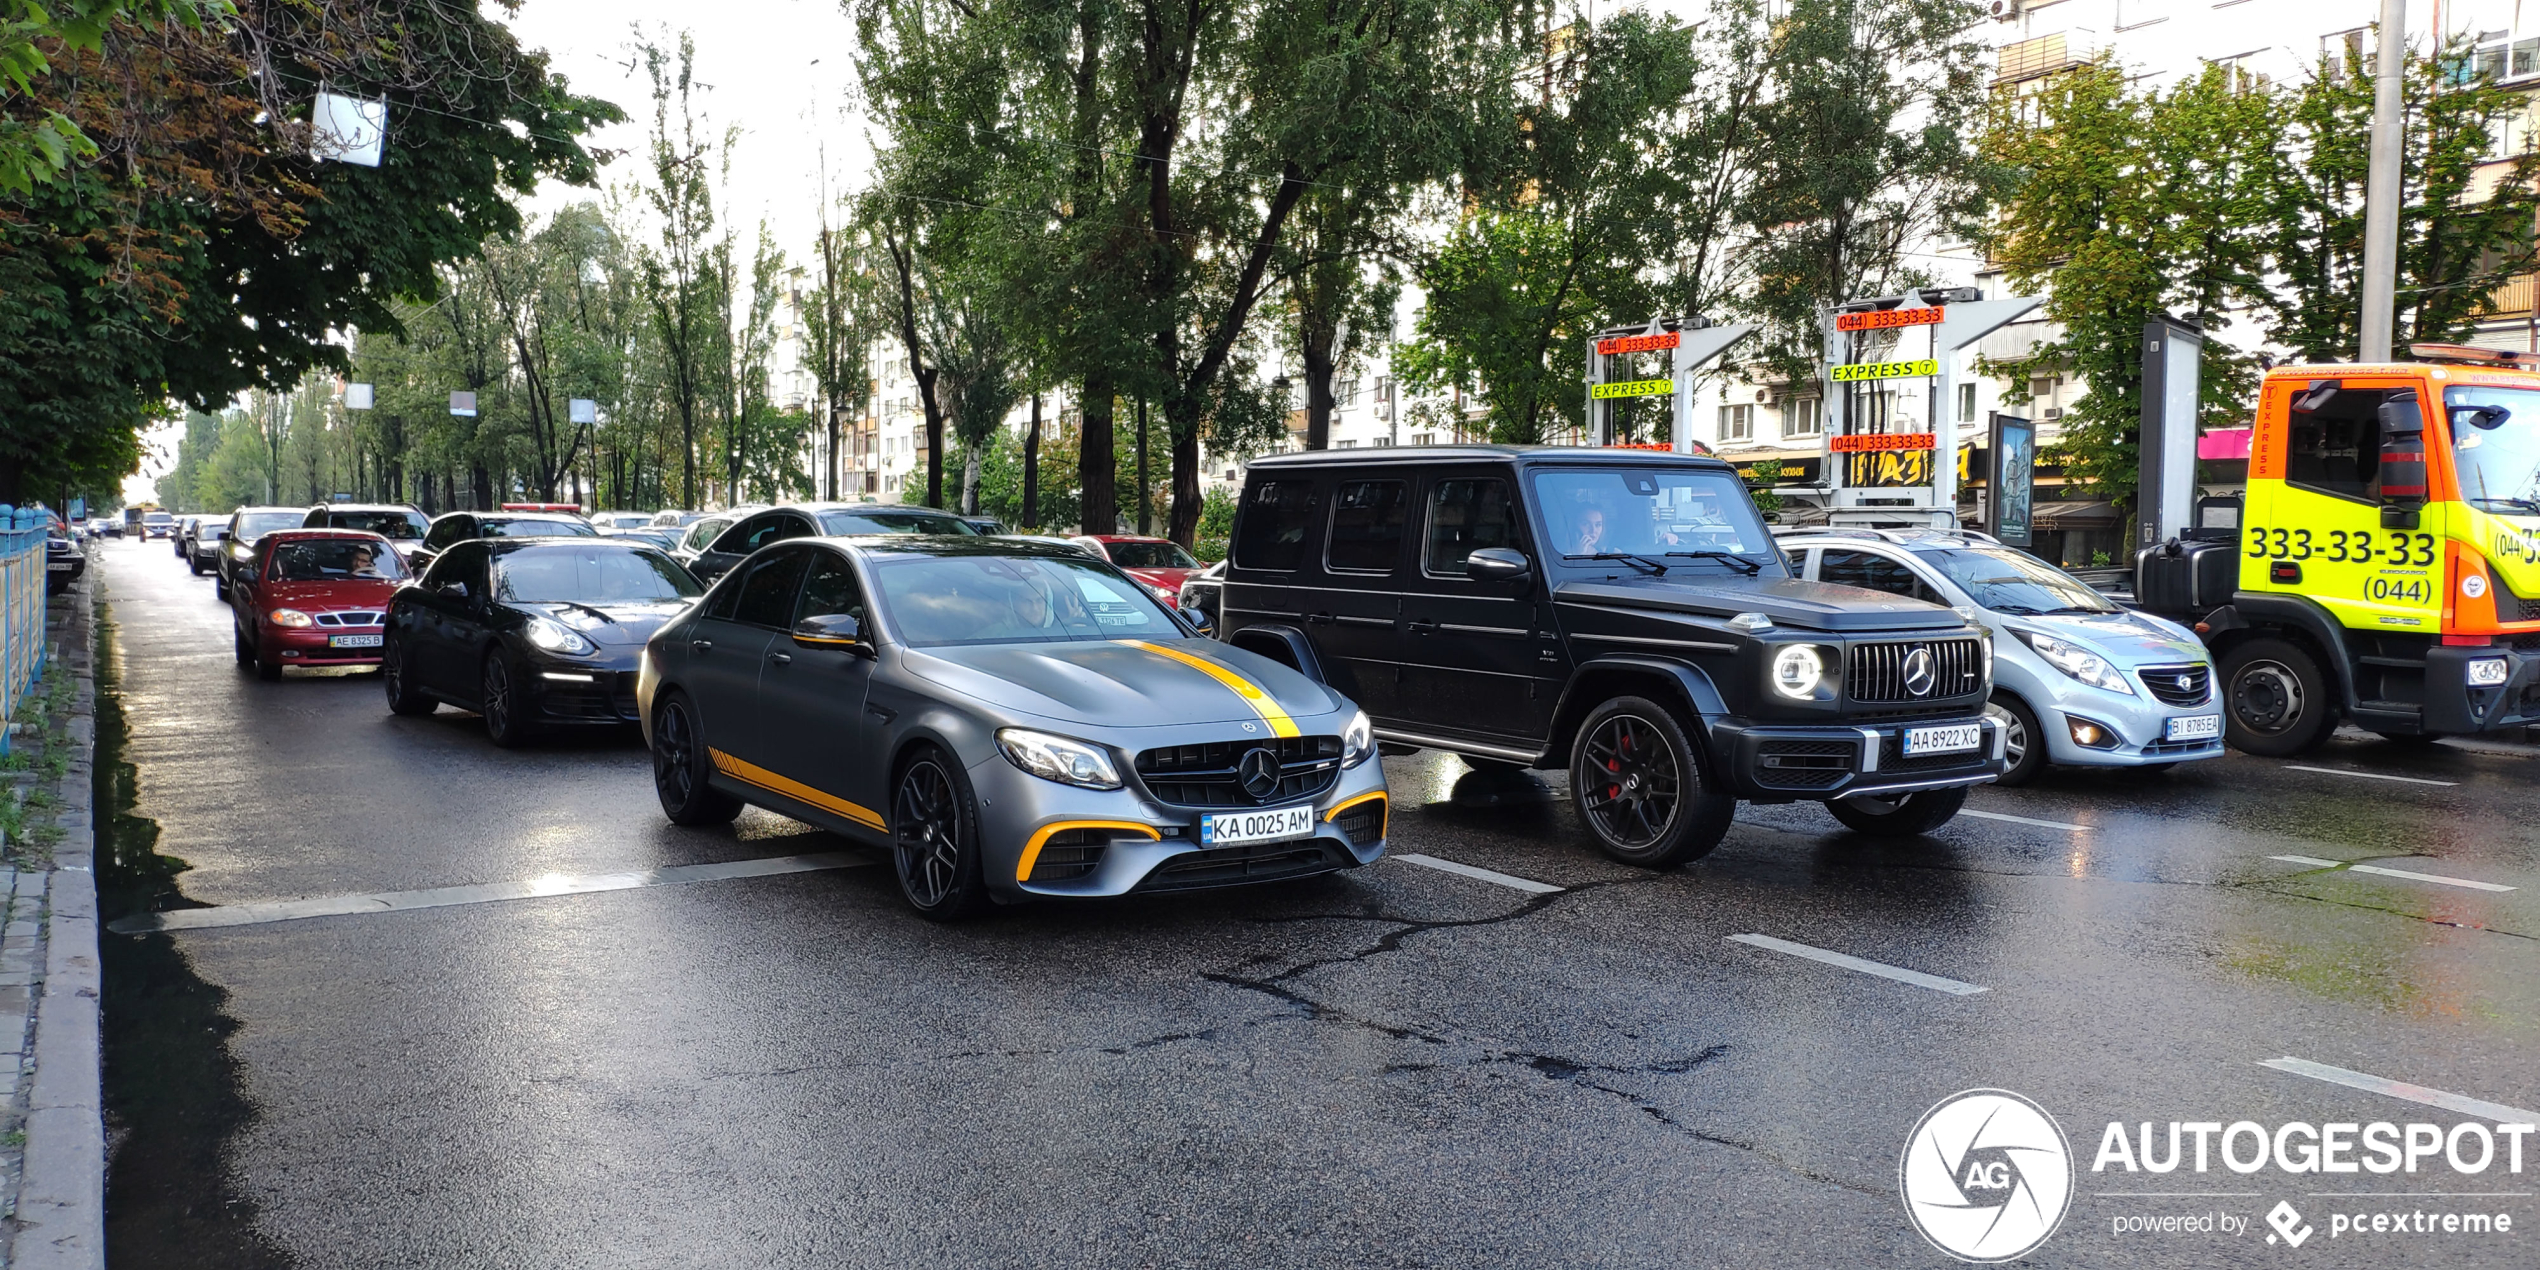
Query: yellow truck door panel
x=2314, y=515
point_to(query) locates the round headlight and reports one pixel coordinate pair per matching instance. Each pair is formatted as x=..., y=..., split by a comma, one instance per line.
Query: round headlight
x=1796, y=672
x=290, y=617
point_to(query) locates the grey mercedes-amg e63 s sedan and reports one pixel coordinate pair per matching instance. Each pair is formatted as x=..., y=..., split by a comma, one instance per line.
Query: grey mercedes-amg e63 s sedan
x=1011, y=720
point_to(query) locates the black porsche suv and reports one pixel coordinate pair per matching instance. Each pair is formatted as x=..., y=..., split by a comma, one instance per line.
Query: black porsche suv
x=1624, y=613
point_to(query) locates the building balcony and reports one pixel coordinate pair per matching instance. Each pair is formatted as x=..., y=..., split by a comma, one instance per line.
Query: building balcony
x=2043, y=56
x=2512, y=300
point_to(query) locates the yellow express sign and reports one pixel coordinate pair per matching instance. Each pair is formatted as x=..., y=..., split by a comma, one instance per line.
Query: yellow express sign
x=1859, y=371
x=1635, y=388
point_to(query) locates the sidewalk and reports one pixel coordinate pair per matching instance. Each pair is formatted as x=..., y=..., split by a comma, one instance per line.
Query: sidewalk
x=52, y=1135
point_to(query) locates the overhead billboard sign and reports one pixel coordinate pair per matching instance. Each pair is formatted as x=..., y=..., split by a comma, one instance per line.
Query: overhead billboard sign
x=1875, y=442
x=1615, y=346
x=1858, y=372
x=1888, y=319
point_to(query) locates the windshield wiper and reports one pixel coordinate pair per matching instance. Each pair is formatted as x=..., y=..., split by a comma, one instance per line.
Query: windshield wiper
x=1728, y=557
x=1655, y=569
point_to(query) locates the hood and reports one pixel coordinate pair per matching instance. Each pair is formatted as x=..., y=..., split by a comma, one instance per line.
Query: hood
x=1124, y=684
x=343, y=593
x=605, y=624
x=1819, y=606
x=2127, y=638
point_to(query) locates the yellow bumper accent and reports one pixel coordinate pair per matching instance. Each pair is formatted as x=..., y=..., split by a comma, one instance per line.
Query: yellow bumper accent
x=1041, y=838
x=1378, y=796
x=1261, y=702
x=752, y=774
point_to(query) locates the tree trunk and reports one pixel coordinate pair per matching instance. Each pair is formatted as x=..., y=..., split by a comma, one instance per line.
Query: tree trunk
x=1094, y=457
x=1186, y=500
x=970, y=480
x=484, y=487
x=1146, y=484
x=1315, y=340
x=833, y=451
x=1031, y=518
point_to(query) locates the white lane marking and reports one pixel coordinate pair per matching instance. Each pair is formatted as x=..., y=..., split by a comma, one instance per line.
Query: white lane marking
x=2022, y=820
x=2386, y=872
x=446, y=896
x=1849, y=962
x=1527, y=885
x=2370, y=776
x=2481, y=1108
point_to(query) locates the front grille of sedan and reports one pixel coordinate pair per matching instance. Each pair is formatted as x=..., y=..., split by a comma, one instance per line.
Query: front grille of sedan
x=1205, y=775
x=1259, y=862
x=350, y=617
x=1876, y=672
x=2178, y=685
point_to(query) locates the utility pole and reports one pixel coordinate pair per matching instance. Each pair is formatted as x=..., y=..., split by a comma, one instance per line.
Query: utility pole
x=2381, y=186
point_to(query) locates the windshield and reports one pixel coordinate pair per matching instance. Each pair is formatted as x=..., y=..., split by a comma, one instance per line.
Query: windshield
x=258, y=524
x=1150, y=555
x=405, y=526
x=847, y=524
x=1650, y=512
x=558, y=528
x=2496, y=447
x=1007, y=600
x=333, y=560
x=2006, y=581
x=590, y=575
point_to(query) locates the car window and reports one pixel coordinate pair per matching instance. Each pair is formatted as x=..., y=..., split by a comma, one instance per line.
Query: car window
x=767, y=594
x=849, y=524
x=254, y=525
x=1367, y=520
x=1874, y=571
x=462, y=563
x=704, y=531
x=1270, y=532
x=1001, y=600
x=2336, y=449
x=590, y=575
x=1465, y=516
x=1671, y=515
x=539, y=527
x=829, y=588
x=390, y=524
x=2009, y=581
x=1151, y=555
x=332, y=560
x=443, y=532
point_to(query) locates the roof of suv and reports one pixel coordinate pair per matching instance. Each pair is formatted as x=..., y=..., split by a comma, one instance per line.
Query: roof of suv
x=365, y=507
x=1390, y=454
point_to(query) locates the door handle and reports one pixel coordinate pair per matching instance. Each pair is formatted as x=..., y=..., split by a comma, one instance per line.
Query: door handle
x=781, y=659
x=1421, y=626
x=1318, y=619
x=701, y=645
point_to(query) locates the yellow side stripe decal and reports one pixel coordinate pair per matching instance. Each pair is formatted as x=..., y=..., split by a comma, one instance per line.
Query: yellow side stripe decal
x=752, y=774
x=1041, y=838
x=1261, y=702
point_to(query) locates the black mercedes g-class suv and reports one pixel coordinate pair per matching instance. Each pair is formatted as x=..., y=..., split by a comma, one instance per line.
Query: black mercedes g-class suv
x=1623, y=612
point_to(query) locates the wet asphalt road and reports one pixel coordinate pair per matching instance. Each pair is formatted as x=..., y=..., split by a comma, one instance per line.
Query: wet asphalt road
x=1396, y=1067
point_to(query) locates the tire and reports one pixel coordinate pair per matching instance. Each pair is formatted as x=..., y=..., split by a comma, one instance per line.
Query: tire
x=499, y=702
x=267, y=669
x=245, y=651
x=2023, y=741
x=2275, y=700
x=935, y=838
x=220, y=588
x=1638, y=785
x=680, y=766
x=1904, y=817
x=399, y=681
x=194, y=564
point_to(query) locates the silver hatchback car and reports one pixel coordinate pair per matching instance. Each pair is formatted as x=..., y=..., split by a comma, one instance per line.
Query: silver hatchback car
x=2077, y=679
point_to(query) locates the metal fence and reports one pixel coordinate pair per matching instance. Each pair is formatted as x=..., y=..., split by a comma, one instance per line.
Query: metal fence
x=22, y=569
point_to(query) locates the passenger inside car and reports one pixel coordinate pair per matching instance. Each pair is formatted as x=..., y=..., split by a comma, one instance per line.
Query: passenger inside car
x=329, y=560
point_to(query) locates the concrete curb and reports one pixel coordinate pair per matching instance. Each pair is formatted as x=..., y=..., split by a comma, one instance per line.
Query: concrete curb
x=61, y=1213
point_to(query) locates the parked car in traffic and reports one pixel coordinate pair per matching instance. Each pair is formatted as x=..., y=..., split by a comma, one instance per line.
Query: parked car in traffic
x=157, y=525
x=312, y=597
x=1160, y=563
x=199, y=545
x=238, y=540
x=2077, y=679
x=673, y=518
x=1620, y=613
x=402, y=525
x=1198, y=598
x=661, y=539
x=605, y=521
x=185, y=526
x=1012, y=720
x=807, y=520
x=531, y=633
x=453, y=528
x=64, y=561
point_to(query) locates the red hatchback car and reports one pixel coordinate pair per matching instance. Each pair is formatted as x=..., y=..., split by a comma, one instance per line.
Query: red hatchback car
x=313, y=597
x=1159, y=562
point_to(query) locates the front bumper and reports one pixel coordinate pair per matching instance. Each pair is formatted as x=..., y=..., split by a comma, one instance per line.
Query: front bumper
x=1762, y=762
x=2453, y=707
x=1043, y=839
x=569, y=693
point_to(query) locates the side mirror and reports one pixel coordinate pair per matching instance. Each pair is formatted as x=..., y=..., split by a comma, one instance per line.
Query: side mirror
x=2401, y=472
x=1199, y=620
x=833, y=630
x=454, y=589
x=1497, y=564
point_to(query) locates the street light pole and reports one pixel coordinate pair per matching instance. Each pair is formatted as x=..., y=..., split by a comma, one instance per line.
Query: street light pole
x=2381, y=186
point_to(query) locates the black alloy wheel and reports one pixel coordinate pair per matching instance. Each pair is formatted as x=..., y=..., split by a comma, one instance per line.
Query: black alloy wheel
x=1899, y=815
x=502, y=703
x=2023, y=741
x=679, y=769
x=1638, y=785
x=2276, y=701
x=246, y=652
x=195, y=563
x=935, y=838
x=220, y=587
x=398, y=679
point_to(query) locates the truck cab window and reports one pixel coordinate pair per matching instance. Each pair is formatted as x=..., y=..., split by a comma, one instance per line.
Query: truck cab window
x=2336, y=449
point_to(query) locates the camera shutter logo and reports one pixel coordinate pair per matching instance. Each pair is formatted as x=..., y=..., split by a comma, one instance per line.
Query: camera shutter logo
x=1986, y=1175
x=1920, y=671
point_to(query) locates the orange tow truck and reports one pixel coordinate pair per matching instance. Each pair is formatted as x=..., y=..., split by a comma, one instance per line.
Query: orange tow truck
x=2385, y=567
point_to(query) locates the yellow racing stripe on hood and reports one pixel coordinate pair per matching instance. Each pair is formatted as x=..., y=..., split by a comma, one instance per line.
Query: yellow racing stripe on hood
x=1261, y=702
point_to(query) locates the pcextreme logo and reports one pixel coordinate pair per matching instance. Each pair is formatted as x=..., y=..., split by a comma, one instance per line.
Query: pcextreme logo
x=1987, y=1175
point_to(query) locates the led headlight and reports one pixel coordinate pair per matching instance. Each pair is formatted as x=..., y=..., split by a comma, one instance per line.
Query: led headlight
x=1056, y=758
x=552, y=636
x=290, y=617
x=1797, y=670
x=1358, y=740
x=2078, y=662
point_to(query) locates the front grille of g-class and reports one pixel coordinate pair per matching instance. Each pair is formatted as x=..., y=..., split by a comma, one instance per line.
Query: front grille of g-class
x=1884, y=671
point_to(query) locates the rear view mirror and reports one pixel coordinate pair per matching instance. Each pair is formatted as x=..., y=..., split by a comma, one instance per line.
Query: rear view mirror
x=1497, y=564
